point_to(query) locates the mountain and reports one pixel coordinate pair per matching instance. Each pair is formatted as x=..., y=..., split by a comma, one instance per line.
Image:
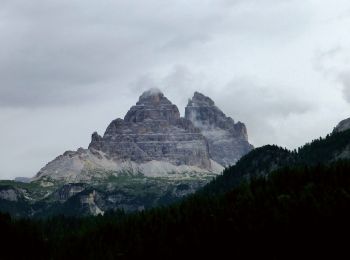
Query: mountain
x=152, y=139
x=228, y=141
x=149, y=158
x=263, y=160
x=343, y=125
x=153, y=130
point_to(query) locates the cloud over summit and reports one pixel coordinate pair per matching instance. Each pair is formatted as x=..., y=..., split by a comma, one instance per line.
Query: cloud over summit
x=69, y=67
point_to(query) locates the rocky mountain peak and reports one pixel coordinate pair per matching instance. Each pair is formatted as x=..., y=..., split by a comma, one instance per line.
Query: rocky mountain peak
x=228, y=141
x=154, y=97
x=200, y=100
x=201, y=110
x=153, y=105
x=153, y=139
x=152, y=130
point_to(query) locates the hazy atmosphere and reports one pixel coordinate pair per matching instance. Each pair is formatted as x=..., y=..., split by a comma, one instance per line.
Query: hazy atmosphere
x=69, y=67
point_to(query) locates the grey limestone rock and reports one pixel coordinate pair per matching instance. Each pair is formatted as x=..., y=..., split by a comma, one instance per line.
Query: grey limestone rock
x=154, y=130
x=228, y=141
x=154, y=140
x=67, y=191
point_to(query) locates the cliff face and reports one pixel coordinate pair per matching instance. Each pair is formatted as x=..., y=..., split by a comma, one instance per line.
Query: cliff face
x=228, y=141
x=153, y=130
x=154, y=140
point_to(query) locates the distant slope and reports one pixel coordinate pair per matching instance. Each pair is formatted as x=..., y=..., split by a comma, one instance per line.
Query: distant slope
x=334, y=146
x=259, y=162
x=129, y=193
x=263, y=160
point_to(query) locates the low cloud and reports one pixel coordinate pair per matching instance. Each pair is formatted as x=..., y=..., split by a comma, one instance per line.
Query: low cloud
x=265, y=109
x=334, y=64
x=344, y=79
x=67, y=52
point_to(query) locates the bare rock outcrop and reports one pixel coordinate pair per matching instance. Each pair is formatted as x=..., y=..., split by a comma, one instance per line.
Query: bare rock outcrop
x=152, y=130
x=228, y=141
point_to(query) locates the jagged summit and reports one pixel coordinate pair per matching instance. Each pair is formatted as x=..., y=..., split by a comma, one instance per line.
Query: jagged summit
x=228, y=141
x=151, y=93
x=153, y=130
x=203, y=112
x=201, y=100
x=153, y=105
x=153, y=97
x=153, y=139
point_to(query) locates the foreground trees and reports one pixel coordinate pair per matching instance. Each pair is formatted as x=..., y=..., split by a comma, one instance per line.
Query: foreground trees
x=294, y=212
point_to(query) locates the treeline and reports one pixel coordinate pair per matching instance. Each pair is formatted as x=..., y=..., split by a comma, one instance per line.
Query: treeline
x=263, y=160
x=259, y=162
x=300, y=212
x=335, y=145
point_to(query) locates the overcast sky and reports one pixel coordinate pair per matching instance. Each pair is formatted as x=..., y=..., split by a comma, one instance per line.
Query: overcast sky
x=69, y=67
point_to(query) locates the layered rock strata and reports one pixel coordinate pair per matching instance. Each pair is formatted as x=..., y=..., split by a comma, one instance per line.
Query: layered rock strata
x=228, y=141
x=152, y=140
x=154, y=130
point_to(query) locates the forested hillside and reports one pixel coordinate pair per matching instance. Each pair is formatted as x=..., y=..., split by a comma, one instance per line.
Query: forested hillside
x=261, y=161
x=296, y=211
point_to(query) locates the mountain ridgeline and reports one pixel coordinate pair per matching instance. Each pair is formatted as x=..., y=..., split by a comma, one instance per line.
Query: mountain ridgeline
x=227, y=140
x=151, y=157
x=153, y=140
x=264, y=160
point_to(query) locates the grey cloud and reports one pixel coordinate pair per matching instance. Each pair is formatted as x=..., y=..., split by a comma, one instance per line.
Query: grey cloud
x=264, y=109
x=344, y=79
x=264, y=101
x=322, y=60
x=334, y=64
x=179, y=84
x=67, y=52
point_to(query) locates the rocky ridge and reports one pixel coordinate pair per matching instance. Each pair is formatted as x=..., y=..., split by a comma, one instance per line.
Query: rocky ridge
x=228, y=141
x=154, y=130
x=152, y=140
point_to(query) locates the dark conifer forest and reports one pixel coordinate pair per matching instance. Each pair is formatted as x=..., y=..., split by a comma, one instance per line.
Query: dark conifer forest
x=296, y=212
